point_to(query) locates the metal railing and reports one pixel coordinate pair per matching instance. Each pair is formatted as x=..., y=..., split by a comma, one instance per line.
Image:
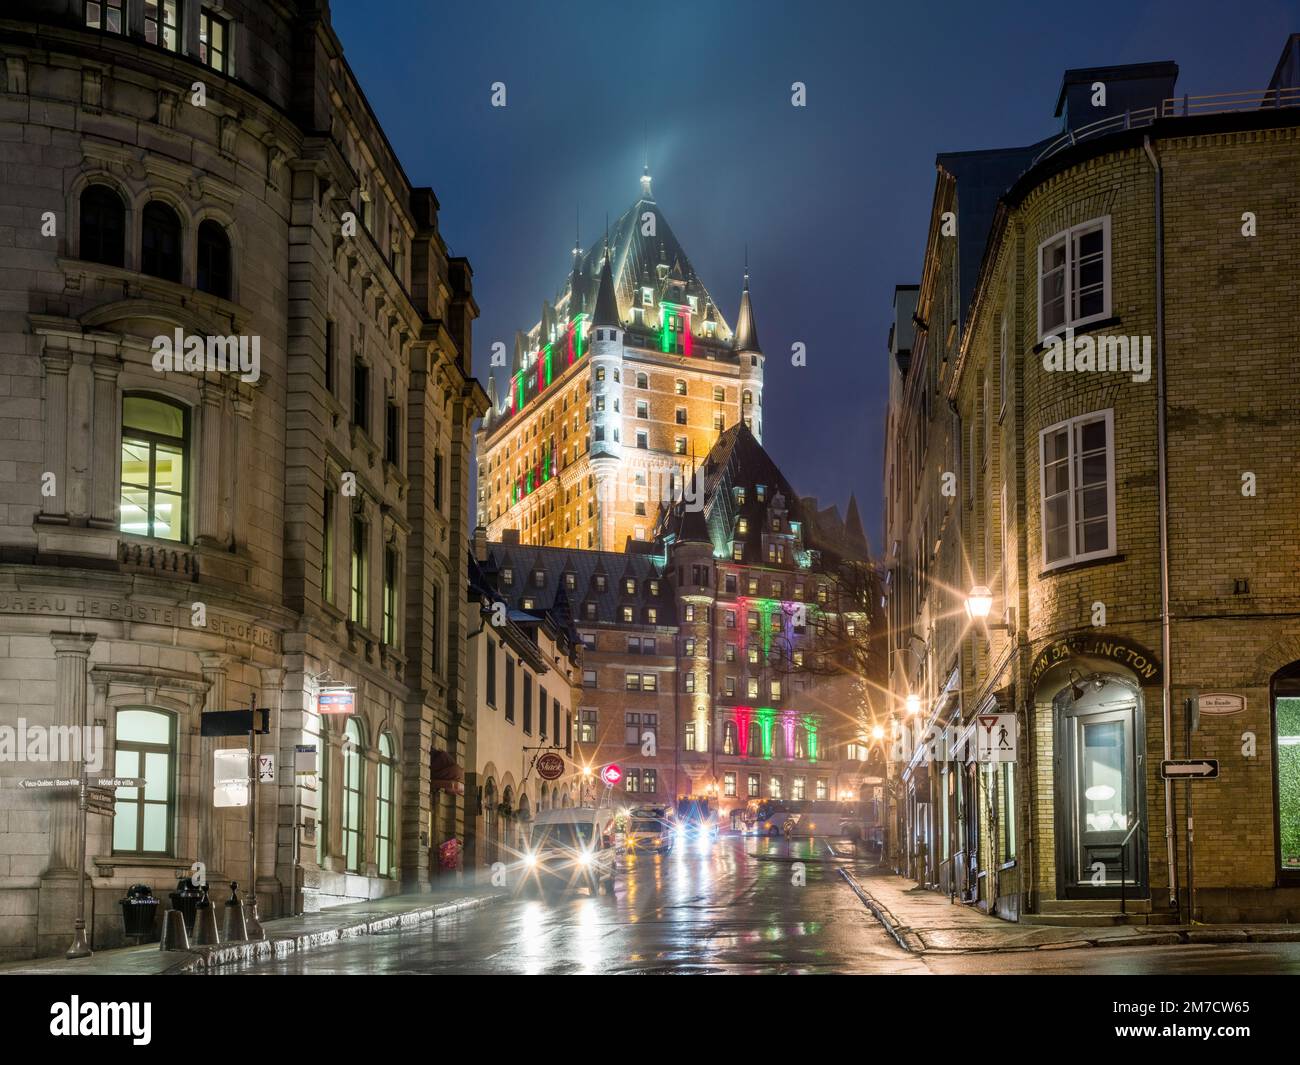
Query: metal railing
x=1175, y=107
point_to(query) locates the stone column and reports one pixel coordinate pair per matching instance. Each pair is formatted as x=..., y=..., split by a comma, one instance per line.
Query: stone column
x=210, y=842
x=57, y=363
x=56, y=904
x=267, y=797
x=106, y=459
x=81, y=388
x=71, y=651
x=209, y=467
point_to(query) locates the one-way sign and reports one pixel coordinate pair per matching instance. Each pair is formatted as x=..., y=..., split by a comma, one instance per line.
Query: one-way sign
x=1190, y=769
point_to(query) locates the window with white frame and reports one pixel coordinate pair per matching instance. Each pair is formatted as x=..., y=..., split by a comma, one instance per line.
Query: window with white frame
x=1078, y=489
x=1074, y=277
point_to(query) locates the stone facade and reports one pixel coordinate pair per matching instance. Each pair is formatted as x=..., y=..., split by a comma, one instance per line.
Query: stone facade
x=268, y=206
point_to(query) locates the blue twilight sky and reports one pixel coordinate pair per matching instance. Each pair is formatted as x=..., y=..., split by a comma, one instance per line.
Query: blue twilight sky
x=832, y=199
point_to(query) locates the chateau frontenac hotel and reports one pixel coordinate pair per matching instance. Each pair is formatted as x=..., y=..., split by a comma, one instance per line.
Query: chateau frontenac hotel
x=616, y=393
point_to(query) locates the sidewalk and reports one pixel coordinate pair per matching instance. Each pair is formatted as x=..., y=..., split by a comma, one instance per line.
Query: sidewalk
x=284, y=935
x=923, y=921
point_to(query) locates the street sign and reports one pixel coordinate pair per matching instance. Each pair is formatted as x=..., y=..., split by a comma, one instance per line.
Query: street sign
x=115, y=782
x=996, y=738
x=1190, y=769
x=49, y=782
x=1216, y=704
x=550, y=766
x=75, y=782
x=230, y=777
x=266, y=769
x=611, y=775
x=234, y=722
x=304, y=759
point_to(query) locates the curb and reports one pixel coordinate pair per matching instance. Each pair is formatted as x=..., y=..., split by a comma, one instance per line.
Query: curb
x=882, y=915
x=222, y=956
x=910, y=940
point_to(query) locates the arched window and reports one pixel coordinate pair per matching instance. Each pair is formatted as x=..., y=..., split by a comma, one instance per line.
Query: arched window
x=384, y=806
x=352, y=766
x=160, y=242
x=642, y=380
x=155, y=484
x=729, y=738
x=103, y=226
x=144, y=818
x=756, y=740
x=213, y=268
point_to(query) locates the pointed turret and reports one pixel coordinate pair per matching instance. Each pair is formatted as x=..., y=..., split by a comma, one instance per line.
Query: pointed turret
x=517, y=361
x=606, y=305
x=746, y=330
x=492, y=396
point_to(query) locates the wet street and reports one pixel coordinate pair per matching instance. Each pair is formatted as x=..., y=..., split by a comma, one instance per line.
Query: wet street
x=734, y=906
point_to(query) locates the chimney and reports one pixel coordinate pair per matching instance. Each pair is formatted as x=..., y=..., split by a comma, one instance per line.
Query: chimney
x=510, y=537
x=480, y=543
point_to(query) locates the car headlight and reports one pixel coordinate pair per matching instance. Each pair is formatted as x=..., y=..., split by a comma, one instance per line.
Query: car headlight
x=584, y=858
x=530, y=860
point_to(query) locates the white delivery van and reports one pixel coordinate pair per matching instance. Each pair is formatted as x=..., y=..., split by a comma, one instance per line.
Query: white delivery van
x=571, y=848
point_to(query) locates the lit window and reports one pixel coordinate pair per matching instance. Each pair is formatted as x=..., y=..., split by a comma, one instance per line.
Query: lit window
x=352, y=768
x=154, y=483
x=161, y=23
x=214, y=41
x=144, y=818
x=360, y=565
x=384, y=820
x=106, y=15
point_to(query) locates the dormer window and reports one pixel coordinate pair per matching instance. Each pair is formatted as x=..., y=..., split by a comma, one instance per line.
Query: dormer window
x=742, y=526
x=570, y=582
x=629, y=586
x=539, y=578
x=740, y=497
x=760, y=490
x=654, y=588
x=600, y=584
x=507, y=576
x=647, y=297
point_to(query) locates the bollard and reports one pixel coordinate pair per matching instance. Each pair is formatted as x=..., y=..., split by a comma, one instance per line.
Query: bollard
x=205, y=923
x=174, y=936
x=236, y=928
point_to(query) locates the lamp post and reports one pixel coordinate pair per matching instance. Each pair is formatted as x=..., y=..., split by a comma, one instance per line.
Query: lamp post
x=979, y=601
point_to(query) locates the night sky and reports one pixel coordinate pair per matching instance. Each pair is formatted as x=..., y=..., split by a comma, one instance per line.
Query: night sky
x=832, y=199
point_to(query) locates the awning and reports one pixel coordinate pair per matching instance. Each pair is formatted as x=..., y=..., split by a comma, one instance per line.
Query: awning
x=445, y=774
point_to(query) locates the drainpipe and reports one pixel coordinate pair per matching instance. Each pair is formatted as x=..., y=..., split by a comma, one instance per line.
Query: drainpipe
x=1166, y=688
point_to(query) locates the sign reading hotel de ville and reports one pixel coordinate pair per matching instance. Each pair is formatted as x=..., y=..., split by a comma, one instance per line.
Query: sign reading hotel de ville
x=1118, y=649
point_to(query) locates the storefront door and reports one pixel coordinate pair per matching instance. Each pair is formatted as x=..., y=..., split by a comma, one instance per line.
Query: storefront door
x=1099, y=804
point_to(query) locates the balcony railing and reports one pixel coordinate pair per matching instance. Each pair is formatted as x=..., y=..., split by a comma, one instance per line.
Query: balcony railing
x=1175, y=107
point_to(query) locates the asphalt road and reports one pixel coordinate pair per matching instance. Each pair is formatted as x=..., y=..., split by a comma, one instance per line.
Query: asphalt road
x=734, y=906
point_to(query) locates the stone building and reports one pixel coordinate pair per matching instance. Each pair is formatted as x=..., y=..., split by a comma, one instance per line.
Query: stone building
x=1104, y=359
x=182, y=538
x=625, y=381
x=700, y=676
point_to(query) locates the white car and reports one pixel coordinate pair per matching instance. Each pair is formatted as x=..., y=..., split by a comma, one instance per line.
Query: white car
x=570, y=849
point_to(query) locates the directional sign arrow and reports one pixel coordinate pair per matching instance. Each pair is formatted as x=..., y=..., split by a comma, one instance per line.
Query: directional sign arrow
x=1190, y=768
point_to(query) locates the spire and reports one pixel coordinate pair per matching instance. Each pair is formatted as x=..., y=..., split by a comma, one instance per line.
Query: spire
x=517, y=360
x=853, y=521
x=606, y=304
x=492, y=395
x=646, y=194
x=746, y=330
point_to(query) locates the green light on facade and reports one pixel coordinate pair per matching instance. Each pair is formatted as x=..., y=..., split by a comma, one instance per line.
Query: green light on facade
x=810, y=724
x=546, y=356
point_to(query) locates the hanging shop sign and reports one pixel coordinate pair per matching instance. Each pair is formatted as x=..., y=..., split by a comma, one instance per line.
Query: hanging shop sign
x=550, y=766
x=336, y=701
x=1118, y=649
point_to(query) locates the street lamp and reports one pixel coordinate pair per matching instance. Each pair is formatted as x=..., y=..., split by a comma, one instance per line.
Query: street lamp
x=877, y=733
x=979, y=601
x=913, y=703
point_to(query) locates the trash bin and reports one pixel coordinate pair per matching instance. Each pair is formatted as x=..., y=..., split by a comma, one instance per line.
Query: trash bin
x=139, y=908
x=186, y=899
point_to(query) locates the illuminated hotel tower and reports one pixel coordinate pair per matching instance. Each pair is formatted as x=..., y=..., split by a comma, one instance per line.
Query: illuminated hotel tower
x=626, y=381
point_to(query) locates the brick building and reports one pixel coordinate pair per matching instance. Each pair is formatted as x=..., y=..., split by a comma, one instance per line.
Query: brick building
x=628, y=377
x=1127, y=533
x=179, y=541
